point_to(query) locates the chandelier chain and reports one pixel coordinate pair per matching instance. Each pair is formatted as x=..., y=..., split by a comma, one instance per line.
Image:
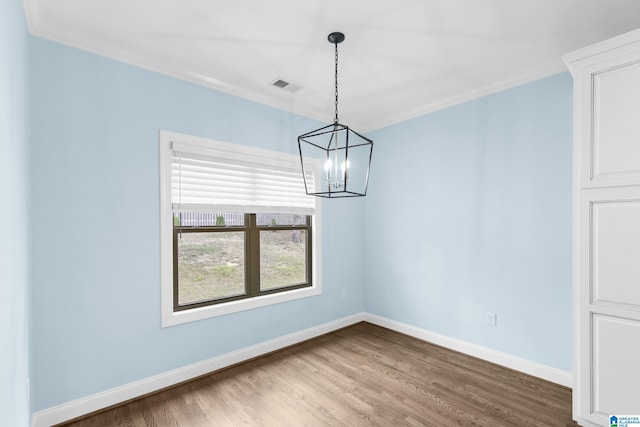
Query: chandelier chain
x=335, y=120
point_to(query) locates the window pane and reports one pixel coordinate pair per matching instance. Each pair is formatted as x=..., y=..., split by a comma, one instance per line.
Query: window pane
x=282, y=258
x=280, y=219
x=208, y=219
x=210, y=265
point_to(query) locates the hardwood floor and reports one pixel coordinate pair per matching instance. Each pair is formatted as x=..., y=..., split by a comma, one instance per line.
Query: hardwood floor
x=359, y=376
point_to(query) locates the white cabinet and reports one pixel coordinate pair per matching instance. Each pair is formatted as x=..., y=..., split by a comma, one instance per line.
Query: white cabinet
x=615, y=153
x=606, y=229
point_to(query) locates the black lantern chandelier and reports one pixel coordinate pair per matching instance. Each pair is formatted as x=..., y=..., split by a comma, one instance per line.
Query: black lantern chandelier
x=345, y=155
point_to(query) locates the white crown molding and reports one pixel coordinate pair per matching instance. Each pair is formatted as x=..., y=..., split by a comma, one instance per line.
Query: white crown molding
x=620, y=44
x=118, y=51
x=33, y=14
x=537, y=73
x=121, y=52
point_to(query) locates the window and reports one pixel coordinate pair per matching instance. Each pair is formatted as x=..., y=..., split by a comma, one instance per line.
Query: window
x=237, y=229
x=224, y=257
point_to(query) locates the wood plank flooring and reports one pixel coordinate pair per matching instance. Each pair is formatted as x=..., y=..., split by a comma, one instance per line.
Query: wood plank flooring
x=363, y=375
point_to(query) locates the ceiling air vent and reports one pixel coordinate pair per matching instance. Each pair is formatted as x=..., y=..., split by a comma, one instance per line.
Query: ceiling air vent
x=285, y=85
x=280, y=83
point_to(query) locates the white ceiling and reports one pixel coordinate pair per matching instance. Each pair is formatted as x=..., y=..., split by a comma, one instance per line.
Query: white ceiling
x=400, y=59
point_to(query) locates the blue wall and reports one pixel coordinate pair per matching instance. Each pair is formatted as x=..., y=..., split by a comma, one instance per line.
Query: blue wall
x=469, y=212
x=95, y=201
x=14, y=215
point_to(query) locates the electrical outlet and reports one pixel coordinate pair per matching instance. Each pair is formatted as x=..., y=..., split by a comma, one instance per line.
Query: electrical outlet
x=492, y=319
x=344, y=294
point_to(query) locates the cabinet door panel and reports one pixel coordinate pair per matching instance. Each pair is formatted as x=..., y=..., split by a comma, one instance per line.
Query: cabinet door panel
x=616, y=128
x=615, y=249
x=616, y=365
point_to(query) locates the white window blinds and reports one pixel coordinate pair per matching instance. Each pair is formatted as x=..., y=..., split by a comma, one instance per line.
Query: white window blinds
x=232, y=178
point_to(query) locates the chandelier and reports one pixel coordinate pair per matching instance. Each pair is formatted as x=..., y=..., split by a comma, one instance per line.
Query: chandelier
x=344, y=154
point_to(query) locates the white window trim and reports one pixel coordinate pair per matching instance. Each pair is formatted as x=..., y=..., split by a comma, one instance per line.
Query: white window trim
x=203, y=145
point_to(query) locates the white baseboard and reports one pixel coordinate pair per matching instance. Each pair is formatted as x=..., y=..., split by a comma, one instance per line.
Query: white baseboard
x=539, y=370
x=77, y=408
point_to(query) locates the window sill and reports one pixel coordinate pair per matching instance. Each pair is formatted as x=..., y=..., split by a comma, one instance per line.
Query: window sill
x=171, y=318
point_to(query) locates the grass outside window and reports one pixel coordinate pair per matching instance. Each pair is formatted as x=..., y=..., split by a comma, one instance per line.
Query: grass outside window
x=227, y=258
